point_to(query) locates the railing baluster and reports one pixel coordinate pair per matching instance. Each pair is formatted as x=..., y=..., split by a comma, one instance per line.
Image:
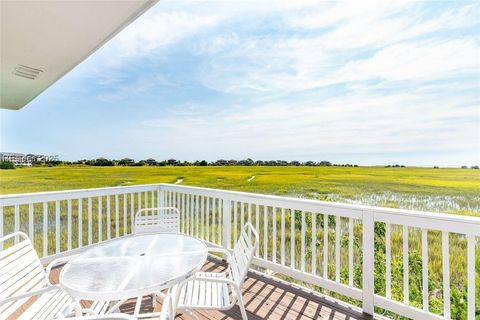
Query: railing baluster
x=45, y=230
x=196, y=200
x=227, y=223
x=31, y=222
x=292, y=238
x=221, y=203
x=100, y=235
x=257, y=226
x=192, y=217
x=471, y=276
x=249, y=216
x=350, y=252
x=132, y=212
x=146, y=199
x=388, y=261
x=265, y=233
x=242, y=214
x=69, y=224
x=337, y=249
x=117, y=220
x=57, y=226
x=302, y=259
x=139, y=201
x=235, y=218
x=189, y=214
x=214, y=209
x=109, y=226
x=446, y=274
x=425, y=269
x=124, y=214
x=274, y=238
x=16, y=223
x=153, y=199
x=282, y=244
x=80, y=226
x=185, y=212
x=89, y=220
x=202, y=214
x=314, y=243
x=325, y=246
x=406, y=290
x=184, y=215
x=208, y=218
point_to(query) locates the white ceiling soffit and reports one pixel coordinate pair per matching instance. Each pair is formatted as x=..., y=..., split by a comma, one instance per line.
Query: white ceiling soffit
x=43, y=40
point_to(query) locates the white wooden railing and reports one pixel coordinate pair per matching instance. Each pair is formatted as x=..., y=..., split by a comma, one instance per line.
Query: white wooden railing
x=329, y=245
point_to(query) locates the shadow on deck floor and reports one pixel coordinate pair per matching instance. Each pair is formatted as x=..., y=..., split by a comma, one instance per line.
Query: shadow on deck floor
x=265, y=298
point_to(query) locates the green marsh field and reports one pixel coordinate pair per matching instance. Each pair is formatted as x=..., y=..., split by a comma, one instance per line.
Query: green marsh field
x=453, y=191
x=440, y=190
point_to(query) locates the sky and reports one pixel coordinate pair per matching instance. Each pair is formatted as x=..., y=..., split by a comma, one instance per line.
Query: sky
x=360, y=82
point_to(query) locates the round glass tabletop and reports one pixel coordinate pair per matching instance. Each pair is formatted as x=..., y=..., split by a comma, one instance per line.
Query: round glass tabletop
x=133, y=266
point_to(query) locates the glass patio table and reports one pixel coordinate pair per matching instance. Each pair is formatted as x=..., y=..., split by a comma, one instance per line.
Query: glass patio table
x=133, y=266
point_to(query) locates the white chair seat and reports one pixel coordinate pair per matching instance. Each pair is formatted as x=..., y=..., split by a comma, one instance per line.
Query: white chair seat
x=49, y=305
x=203, y=294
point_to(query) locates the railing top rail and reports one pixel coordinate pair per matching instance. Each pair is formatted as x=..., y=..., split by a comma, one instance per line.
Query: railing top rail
x=19, y=198
x=334, y=205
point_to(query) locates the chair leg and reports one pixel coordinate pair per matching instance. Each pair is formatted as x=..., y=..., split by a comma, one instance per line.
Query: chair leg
x=191, y=314
x=241, y=305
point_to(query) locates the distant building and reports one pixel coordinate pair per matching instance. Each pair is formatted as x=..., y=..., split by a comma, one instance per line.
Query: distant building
x=222, y=162
x=151, y=161
x=20, y=159
x=171, y=162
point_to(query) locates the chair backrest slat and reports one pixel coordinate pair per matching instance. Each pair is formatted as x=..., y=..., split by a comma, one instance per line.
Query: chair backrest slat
x=243, y=253
x=20, y=271
x=152, y=220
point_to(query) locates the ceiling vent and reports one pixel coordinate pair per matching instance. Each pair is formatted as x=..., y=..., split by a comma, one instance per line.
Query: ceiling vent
x=26, y=72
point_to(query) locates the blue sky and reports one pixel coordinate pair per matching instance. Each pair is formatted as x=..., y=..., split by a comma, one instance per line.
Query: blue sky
x=357, y=82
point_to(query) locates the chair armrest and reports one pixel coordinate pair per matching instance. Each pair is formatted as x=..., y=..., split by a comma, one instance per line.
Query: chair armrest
x=55, y=263
x=221, y=250
x=29, y=294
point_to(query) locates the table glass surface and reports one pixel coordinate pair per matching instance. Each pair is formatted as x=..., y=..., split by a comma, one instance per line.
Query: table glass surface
x=133, y=266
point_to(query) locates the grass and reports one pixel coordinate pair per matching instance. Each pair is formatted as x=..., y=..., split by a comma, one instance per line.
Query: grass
x=443, y=190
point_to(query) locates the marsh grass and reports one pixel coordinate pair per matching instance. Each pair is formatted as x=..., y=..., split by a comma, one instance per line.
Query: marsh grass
x=439, y=190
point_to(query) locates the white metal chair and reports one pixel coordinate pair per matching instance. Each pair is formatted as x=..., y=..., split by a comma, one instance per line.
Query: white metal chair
x=220, y=291
x=164, y=219
x=22, y=277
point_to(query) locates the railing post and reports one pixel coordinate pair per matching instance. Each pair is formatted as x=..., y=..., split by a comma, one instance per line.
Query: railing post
x=368, y=238
x=227, y=223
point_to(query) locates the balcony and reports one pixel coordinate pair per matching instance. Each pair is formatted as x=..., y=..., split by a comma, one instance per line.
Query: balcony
x=315, y=260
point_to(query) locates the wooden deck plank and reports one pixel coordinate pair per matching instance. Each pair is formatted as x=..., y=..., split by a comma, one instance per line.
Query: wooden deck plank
x=265, y=298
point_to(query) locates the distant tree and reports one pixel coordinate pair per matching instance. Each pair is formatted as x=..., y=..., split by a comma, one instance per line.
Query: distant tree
x=102, y=162
x=259, y=163
x=126, y=162
x=203, y=163
x=7, y=165
x=474, y=167
x=309, y=163
x=435, y=167
x=324, y=163
x=294, y=163
x=464, y=167
x=232, y=162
